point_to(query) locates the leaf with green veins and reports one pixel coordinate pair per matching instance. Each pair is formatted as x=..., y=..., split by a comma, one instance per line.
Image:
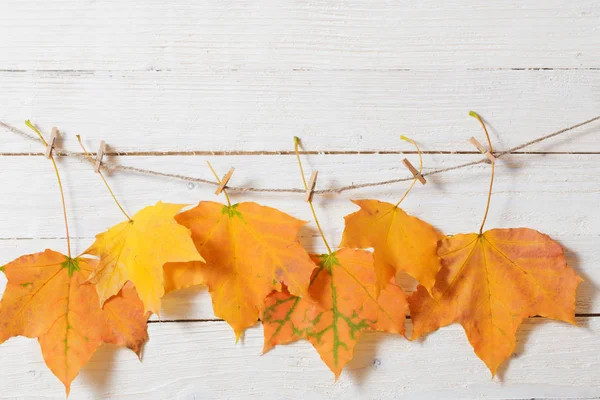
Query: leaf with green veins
x=46, y=297
x=249, y=251
x=344, y=305
x=71, y=264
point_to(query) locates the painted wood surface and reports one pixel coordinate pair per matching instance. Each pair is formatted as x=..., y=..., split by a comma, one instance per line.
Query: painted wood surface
x=195, y=360
x=169, y=85
x=257, y=111
x=330, y=35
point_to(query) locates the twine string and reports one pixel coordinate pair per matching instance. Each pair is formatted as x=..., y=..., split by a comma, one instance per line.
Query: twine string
x=111, y=166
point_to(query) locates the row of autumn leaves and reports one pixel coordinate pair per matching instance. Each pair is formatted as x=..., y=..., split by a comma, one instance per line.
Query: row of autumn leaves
x=254, y=266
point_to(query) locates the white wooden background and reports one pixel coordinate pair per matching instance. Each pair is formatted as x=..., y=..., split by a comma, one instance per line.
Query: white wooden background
x=167, y=83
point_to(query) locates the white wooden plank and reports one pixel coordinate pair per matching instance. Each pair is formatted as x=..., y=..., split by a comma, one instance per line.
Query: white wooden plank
x=329, y=110
x=200, y=360
x=551, y=193
x=298, y=35
x=346, y=76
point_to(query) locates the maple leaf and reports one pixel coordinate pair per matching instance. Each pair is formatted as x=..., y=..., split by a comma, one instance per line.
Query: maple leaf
x=136, y=251
x=183, y=275
x=249, y=250
x=400, y=241
x=46, y=297
x=344, y=306
x=490, y=282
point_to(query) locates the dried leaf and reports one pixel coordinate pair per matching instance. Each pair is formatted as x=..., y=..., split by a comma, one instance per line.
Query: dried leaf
x=344, y=306
x=183, y=275
x=250, y=250
x=136, y=251
x=47, y=297
x=401, y=242
x=490, y=282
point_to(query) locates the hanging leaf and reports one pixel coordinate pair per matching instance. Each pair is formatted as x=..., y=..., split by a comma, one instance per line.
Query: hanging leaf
x=250, y=250
x=47, y=297
x=343, y=306
x=401, y=242
x=136, y=251
x=490, y=282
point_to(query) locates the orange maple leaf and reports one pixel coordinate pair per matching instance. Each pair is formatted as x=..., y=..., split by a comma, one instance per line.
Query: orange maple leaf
x=400, y=241
x=136, y=251
x=344, y=306
x=46, y=297
x=183, y=275
x=490, y=282
x=249, y=250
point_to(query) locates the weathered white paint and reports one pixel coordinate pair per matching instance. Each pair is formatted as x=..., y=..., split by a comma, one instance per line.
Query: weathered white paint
x=333, y=35
x=230, y=76
x=201, y=360
x=330, y=110
x=529, y=190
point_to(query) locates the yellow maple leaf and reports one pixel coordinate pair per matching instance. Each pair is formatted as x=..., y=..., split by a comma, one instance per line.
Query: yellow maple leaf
x=136, y=251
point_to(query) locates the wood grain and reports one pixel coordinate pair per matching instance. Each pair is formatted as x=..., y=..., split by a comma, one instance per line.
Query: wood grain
x=235, y=35
x=529, y=190
x=169, y=83
x=201, y=360
x=356, y=111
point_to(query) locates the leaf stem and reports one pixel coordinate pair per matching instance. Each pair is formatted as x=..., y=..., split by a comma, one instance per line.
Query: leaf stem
x=62, y=192
x=310, y=203
x=219, y=182
x=420, y=169
x=489, y=198
x=103, y=179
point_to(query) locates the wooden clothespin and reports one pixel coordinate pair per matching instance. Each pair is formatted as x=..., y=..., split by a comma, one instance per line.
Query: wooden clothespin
x=51, y=142
x=99, y=156
x=414, y=171
x=225, y=180
x=482, y=149
x=311, y=186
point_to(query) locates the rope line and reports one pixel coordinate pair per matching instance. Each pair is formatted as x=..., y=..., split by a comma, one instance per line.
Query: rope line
x=111, y=167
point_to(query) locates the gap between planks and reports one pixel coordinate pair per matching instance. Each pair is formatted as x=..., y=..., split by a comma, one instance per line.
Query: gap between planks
x=290, y=153
x=442, y=69
x=201, y=320
x=316, y=235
